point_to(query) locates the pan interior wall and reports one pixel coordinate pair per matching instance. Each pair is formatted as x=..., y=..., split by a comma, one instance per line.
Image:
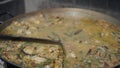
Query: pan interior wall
x=110, y=7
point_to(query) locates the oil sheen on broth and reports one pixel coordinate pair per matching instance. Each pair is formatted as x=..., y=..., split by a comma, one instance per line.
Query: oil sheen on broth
x=87, y=43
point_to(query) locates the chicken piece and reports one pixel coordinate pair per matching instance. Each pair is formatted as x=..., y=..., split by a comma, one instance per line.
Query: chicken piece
x=30, y=49
x=35, y=59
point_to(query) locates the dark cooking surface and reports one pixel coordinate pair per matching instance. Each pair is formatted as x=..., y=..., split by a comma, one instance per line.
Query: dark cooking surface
x=14, y=7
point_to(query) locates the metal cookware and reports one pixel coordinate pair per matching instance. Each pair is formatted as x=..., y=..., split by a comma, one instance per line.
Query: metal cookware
x=65, y=12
